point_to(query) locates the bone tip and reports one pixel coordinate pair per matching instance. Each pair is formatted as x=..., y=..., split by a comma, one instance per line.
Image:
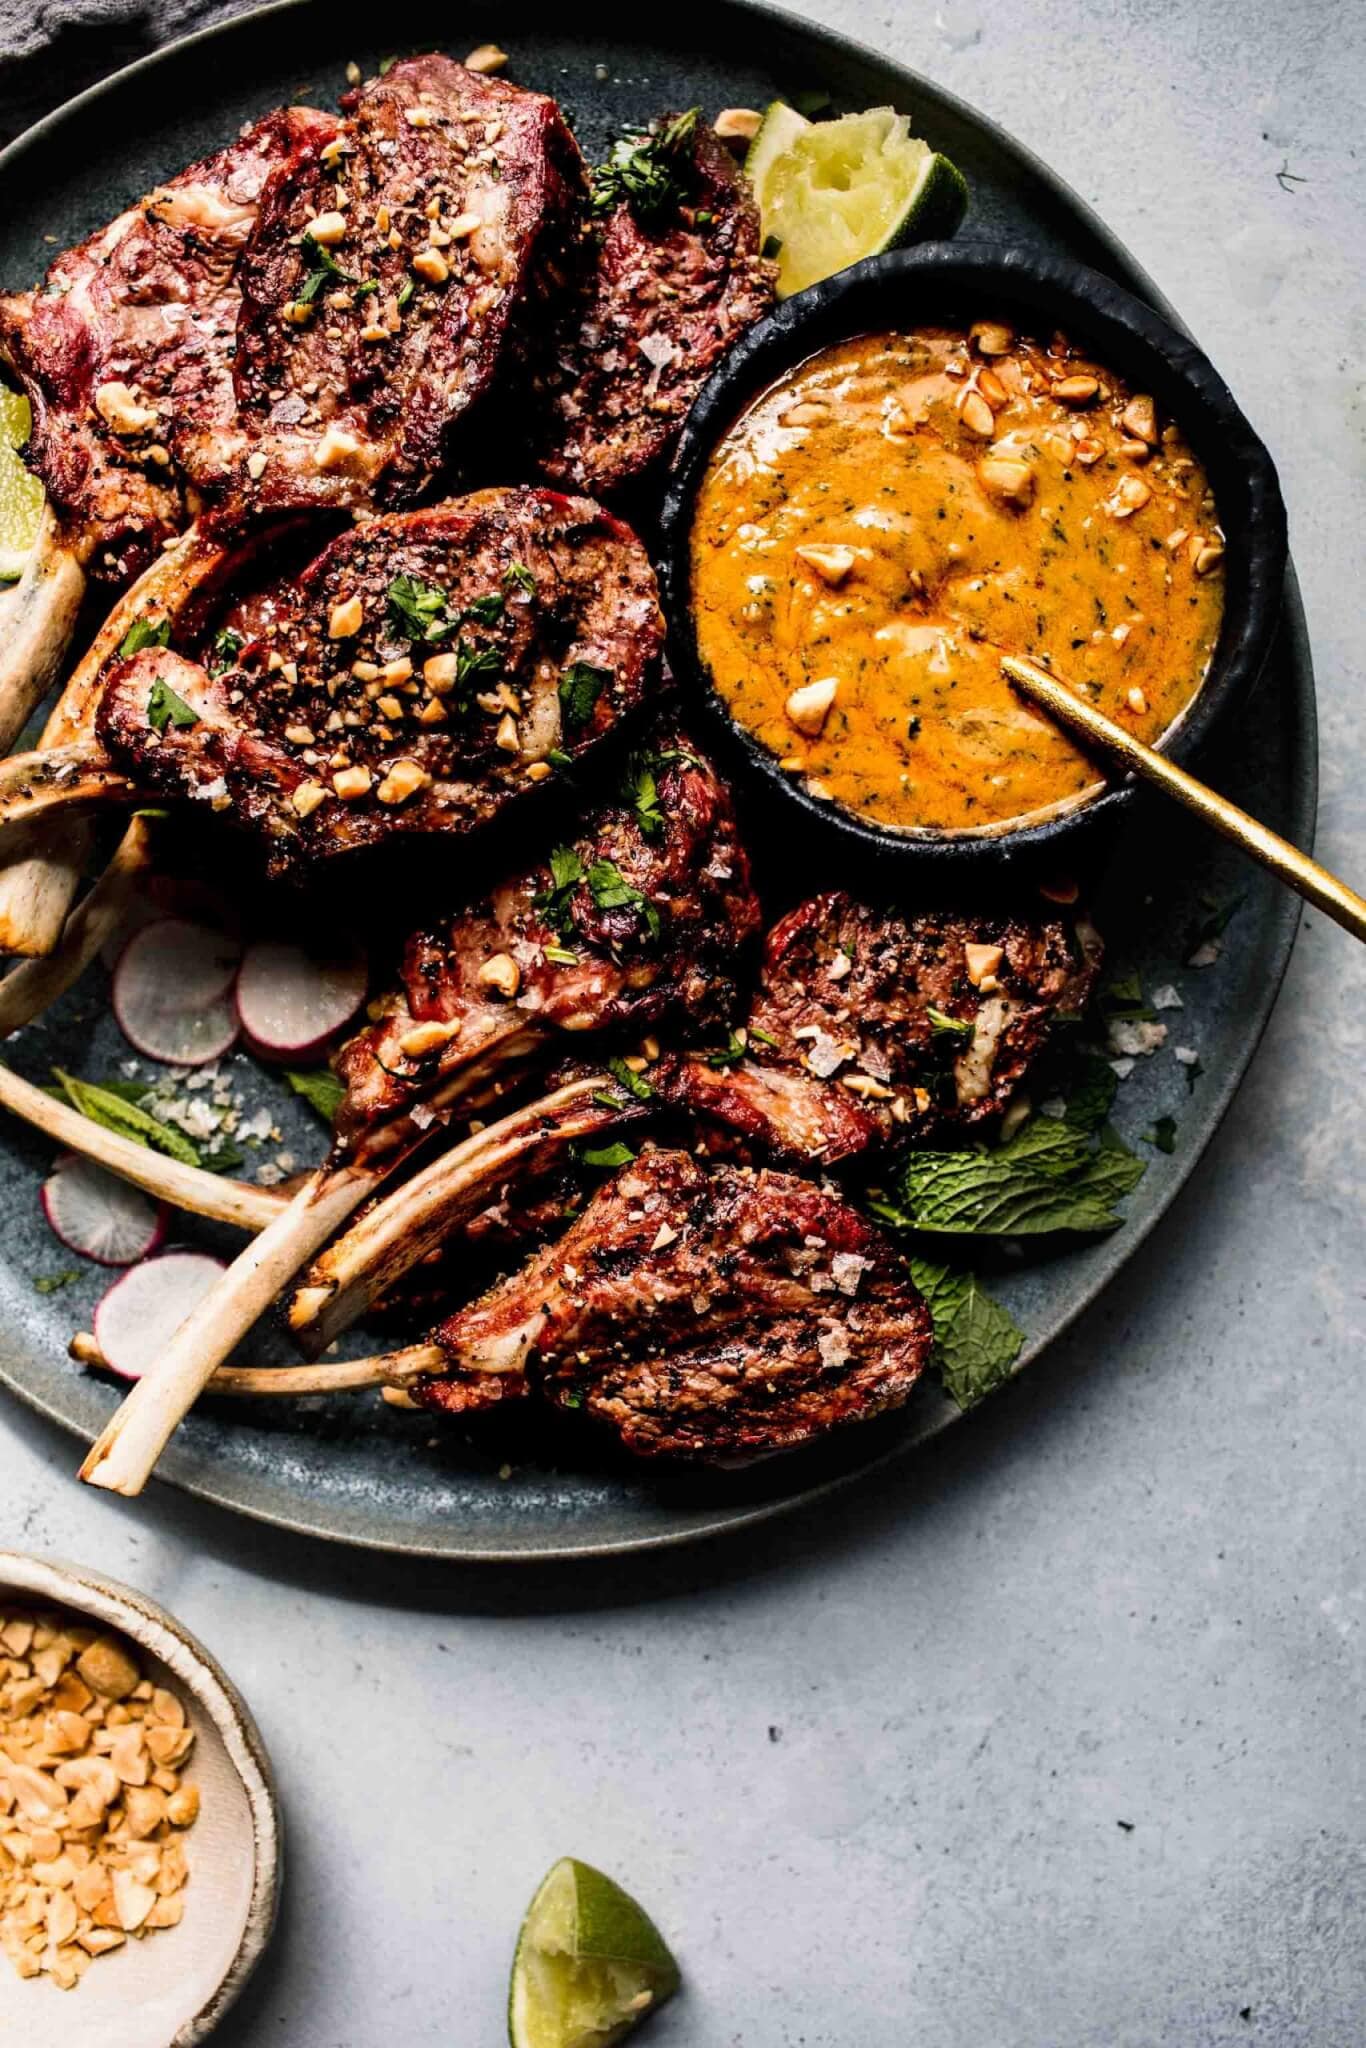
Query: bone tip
x=307, y=1305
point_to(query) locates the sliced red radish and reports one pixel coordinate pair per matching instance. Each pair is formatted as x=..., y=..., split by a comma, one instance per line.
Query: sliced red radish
x=95, y=1213
x=173, y=992
x=144, y=1308
x=292, y=999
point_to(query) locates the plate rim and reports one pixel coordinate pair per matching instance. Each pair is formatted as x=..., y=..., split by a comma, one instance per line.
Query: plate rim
x=1280, y=931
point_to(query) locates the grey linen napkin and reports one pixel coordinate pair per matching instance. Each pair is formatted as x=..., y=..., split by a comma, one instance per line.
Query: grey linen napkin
x=52, y=49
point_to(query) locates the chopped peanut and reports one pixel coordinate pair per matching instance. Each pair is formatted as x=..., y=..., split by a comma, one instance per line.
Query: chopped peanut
x=737, y=124
x=345, y=619
x=352, y=783
x=501, y=973
x=488, y=58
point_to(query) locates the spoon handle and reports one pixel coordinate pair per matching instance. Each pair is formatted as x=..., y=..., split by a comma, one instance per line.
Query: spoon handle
x=1303, y=875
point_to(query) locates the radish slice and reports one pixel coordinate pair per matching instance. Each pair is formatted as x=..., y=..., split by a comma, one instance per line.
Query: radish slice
x=95, y=1213
x=136, y=1319
x=292, y=1001
x=173, y=992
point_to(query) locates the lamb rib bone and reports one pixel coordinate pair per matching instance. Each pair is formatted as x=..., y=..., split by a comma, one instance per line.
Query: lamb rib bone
x=34, y=985
x=37, y=886
x=184, y=1187
x=37, y=618
x=289, y=1382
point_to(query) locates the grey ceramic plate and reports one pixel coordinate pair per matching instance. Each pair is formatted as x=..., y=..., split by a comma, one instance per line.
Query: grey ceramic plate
x=363, y=1474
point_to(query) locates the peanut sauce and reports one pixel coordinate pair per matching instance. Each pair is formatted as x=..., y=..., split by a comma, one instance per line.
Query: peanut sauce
x=894, y=514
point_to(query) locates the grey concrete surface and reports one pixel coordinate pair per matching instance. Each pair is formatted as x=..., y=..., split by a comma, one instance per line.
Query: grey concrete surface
x=1053, y=1738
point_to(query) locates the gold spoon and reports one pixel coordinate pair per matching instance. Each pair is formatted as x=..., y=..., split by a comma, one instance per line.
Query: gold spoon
x=1304, y=875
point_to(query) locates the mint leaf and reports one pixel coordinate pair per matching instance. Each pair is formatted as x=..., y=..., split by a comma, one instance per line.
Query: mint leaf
x=165, y=708
x=976, y=1341
x=1045, y=1178
x=116, y=1113
x=580, y=687
x=1092, y=1094
x=1123, y=997
x=320, y=1089
x=143, y=633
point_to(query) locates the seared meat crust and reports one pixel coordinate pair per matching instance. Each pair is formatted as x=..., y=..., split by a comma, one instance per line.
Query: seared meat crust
x=657, y=308
x=851, y=1040
x=458, y=195
x=629, y=923
x=702, y=1315
x=439, y=699
x=146, y=305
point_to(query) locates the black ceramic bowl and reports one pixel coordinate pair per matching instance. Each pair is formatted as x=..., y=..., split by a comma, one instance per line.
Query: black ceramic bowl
x=943, y=283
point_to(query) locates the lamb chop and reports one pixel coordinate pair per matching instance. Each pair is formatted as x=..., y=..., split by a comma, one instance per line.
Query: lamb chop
x=127, y=344
x=388, y=279
x=417, y=677
x=669, y=275
x=871, y=1026
x=866, y=1029
x=654, y=914
x=710, y=1315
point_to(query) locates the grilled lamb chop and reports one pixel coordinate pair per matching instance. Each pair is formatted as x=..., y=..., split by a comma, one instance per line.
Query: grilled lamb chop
x=388, y=279
x=704, y=1315
x=656, y=924
x=663, y=292
x=414, y=679
x=870, y=1026
x=646, y=913
x=126, y=347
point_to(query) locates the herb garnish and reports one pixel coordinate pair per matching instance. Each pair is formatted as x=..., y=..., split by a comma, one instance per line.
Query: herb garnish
x=617, y=1154
x=325, y=267
x=648, y=173
x=116, y=1112
x=626, y=1077
x=224, y=649
x=145, y=633
x=942, y=1025
x=976, y=1341
x=566, y=872
x=610, y=890
x=1162, y=1134
x=641, y=791
x=518, y=573
x=320, y=1088
x=1047, y=1177
x=728, y=1055
x=165, y=707
x=418, y=610
x=580, y=687
x=488, y=609
x=52, y=1283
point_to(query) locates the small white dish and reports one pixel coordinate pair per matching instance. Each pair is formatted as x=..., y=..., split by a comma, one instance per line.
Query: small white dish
x=171, y=1990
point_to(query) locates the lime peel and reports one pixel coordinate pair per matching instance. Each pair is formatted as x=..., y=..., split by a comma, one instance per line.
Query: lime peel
x=831, y=193
x=590, y=1964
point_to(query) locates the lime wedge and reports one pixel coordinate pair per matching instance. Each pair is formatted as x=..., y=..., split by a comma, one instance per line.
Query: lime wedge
x=21, y=495
x=590, y=1965
x=832, y=192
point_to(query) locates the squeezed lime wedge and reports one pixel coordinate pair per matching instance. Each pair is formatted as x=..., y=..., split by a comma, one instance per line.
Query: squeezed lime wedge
x=21, y=495
x=590, y=1964
x=832, y=192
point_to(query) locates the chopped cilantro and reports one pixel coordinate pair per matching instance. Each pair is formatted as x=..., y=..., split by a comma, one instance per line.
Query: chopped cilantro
x=487, y=610
x=224, y=649
x=566, y=872
x=145, y=633
x=764, y=1037
x=626, y=1077
x=728, y=1055
x=614, y=1155
x=641, y=791
x=405, y=293
x=475, y=665
x=415, y=608
x=518, y=574
x=580, y=687
x=610, y=890
x=165, y=708
x=942, y=1025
